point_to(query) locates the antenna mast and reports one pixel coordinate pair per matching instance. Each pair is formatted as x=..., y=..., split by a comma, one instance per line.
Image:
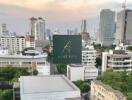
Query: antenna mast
x=124, y=5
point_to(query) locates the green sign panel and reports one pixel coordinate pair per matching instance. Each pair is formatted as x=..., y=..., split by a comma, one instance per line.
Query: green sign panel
x=67, y=49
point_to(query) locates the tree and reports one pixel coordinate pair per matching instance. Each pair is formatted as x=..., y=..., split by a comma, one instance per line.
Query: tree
x=62, y=68
x=121, y=81
x=6, y=94
x=129, y=48
x=11, y=73
x=83, y=86
x=98, y=61
x=35, y=72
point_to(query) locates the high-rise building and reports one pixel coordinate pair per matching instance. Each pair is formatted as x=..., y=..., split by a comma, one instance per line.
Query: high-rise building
x=107, y=27
x=123, y=27
x=4, y=30
x=40, y=29
x=32, y=25
x=84, y=33
x=37, y=28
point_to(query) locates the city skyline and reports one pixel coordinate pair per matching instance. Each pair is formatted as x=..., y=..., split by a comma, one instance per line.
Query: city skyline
x=59, y=14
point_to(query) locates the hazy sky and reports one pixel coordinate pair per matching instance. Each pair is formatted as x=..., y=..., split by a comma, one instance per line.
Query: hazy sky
x=61, y=14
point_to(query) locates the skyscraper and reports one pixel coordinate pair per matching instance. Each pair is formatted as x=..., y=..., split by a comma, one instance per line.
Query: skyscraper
x=123, y=28
x=37, y=28
x=33, y=21
x=84, y=33
x=107, y=27
x=40, y=29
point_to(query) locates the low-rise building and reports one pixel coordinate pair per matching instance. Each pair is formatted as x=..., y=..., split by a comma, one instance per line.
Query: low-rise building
x=100, y=91
x=118, y=60
x=17, y=43
x=38, y=62
x=87, y=69
x=89, y=56
x=81, y=72
x=54, y=87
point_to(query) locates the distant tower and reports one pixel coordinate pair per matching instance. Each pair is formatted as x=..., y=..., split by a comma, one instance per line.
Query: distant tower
x=40, y=29
x=4, y=30
x=32, y=25
x=84, y=26
x=84, y=33
x=107, y=27
x=123, y=29
x=37, y=28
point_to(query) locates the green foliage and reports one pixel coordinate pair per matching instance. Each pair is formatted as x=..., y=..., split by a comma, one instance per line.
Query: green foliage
x=129, y=96
x=6, y=94
x=35, y=72
x=62, y=68
x=129, y=48
x=121, y=81
x=83, y=86
x=10, y=73
x=98, y=61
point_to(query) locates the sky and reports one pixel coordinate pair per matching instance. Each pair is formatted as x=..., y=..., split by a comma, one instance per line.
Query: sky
x=59, y=14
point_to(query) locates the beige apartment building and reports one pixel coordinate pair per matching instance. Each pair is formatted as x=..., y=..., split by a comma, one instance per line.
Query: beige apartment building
x=100, y=91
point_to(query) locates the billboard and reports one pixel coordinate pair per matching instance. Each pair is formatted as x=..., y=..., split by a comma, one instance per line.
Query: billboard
x=67, y=49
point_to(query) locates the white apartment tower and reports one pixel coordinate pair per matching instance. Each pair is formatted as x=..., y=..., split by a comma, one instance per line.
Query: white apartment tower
x=37, y=28
x=107, y=27
x=123, y=27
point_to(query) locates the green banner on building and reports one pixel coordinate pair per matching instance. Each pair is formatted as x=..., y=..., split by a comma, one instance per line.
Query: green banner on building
x=67, y=49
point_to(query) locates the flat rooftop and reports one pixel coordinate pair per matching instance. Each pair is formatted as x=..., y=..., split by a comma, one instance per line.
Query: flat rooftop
x=46, y=84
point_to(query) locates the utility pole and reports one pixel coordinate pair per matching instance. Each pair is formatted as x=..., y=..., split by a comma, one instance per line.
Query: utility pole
x=124, y=5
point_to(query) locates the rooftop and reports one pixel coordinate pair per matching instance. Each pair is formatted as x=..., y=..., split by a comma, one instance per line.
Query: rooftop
x=109, y=88
x=46, y=84
x=75, y=98
x=76, y=65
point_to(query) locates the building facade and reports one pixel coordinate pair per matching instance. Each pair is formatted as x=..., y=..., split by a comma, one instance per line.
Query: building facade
x=123, y=28
x=107, y=27
x=17, y=43
x=81, y=72
x=118, y=60
x=89, y=56
x=100, y=91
